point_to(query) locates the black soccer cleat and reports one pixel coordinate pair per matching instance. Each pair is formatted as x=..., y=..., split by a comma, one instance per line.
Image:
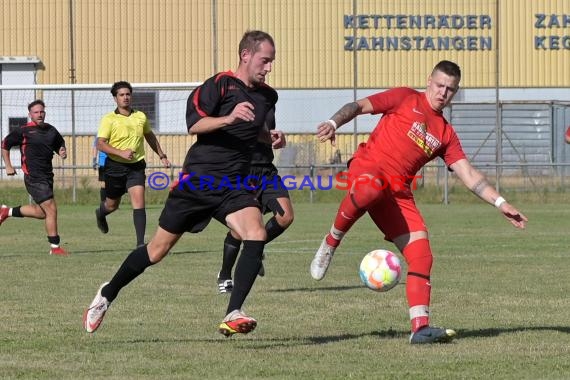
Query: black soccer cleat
x=428, y=334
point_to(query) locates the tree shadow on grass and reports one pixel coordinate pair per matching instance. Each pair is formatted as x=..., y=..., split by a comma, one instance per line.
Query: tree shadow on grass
x=494, y=331
x=324, y=289
x=88, y=251
x=191, y=251
x=306, y=289
x=257, y=342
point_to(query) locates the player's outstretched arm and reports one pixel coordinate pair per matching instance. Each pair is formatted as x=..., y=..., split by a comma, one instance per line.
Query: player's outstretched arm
x=326, y=130
x=478, y=184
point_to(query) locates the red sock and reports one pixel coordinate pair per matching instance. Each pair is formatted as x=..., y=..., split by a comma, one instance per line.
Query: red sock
x=352, y=207
x=348, y=213
x=418, y=288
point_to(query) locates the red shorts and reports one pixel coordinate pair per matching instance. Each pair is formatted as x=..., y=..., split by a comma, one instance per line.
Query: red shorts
x=395, y=211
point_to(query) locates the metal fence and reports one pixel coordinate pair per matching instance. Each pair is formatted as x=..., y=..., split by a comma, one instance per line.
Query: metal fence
x=517, y=144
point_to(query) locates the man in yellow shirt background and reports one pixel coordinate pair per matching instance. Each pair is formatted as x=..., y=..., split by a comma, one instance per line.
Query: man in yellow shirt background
x=121, y=136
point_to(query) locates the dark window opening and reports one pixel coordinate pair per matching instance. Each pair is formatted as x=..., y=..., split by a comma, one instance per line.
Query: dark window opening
x=16, y=122
x=147, y=103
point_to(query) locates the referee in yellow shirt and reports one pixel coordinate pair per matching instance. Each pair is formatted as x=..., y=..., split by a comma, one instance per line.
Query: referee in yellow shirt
x=121, y=135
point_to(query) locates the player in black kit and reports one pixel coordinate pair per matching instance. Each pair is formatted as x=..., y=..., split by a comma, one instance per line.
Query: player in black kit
x=37, y=141
x=227, y=113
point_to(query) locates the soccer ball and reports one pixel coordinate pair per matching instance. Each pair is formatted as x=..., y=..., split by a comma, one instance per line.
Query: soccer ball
x=380, y=270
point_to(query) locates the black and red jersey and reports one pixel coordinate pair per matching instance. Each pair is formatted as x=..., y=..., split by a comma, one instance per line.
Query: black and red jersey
x=37, y=146
x=228, y=150
x=263, y=152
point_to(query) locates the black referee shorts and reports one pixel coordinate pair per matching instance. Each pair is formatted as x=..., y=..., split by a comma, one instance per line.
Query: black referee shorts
x=119, y=177
x=101, y=173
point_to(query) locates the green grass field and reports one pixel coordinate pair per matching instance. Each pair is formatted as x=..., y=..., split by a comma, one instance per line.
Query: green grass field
x=505, y=291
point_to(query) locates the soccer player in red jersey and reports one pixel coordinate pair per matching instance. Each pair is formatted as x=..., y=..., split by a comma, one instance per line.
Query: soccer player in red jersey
x=38, y=141
x=411, y=132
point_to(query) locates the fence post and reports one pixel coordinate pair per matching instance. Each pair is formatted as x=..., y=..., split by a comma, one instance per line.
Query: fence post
x=312, y=174
x=446, y=187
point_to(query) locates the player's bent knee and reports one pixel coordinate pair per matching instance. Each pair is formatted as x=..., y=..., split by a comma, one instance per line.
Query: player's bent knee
x=258, y=234
x=157, y=252
x=365, y=192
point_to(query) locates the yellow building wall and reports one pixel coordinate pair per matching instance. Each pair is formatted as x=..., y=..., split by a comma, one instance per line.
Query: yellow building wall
x=142, y=41
x=187, y=41
x=307, y=36
x=535, y=43
x=37, y=28
x=395, y=67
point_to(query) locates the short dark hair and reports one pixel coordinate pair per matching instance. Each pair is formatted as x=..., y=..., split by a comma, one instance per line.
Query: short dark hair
x=447, y=67
x=120, y=84
x=35, y=103
x=252, y=39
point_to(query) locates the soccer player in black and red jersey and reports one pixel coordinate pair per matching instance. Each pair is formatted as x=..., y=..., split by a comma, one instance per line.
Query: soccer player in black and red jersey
x=227, y=113
x=37, y=141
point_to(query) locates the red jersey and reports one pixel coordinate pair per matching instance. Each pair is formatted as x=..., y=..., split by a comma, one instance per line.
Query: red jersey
x=408, y=136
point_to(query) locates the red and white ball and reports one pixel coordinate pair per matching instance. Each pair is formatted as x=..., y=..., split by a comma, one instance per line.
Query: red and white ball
x=380, y=270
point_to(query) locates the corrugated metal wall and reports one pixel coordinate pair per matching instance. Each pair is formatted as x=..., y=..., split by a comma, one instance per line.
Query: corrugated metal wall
x=186, y=41
x=143, y=40
x=308, y=36
x=531, y=131
x=390, y=67
x=37, y=28
x=535, y=43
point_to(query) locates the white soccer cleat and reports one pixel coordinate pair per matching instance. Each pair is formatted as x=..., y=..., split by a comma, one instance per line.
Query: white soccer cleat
x=93, y=316
x=322, y=260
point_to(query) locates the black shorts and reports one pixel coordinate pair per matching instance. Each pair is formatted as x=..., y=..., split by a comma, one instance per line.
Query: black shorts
x=119, y=177
x=101, y=173
x=191, y=210
x=270, y=188
x=40, y=189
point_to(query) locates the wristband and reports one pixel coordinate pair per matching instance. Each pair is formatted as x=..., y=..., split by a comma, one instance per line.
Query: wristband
x=333, y=123
x=499, y=201
x=162, y=157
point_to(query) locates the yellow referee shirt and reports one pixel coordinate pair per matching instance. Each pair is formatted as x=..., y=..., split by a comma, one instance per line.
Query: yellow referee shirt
x=125, y=132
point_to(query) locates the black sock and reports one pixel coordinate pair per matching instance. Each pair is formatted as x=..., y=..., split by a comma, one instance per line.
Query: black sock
x=246, y=272
x=231, y=250
x=102, y=194
x=54, y=239
x=132, y=267
x=139, y=219
x=16, y=213
x=102, y=209
x=273, y=229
